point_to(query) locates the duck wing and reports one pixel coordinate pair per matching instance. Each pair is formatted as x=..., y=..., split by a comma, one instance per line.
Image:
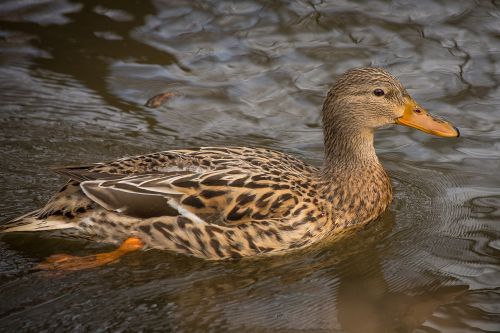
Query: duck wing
x=232, y=185
x=222, y=196
x=198, y=160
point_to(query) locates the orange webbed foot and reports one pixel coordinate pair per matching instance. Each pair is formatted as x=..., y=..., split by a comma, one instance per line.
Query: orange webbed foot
x=74, y=263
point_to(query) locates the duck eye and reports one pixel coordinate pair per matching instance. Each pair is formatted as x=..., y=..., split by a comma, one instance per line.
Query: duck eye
x=378, y=92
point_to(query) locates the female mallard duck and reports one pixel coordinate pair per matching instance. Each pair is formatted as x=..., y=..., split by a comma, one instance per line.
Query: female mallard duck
x=232, y=202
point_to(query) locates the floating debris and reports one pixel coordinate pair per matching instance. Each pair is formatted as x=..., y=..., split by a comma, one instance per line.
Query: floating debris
x=162, y=98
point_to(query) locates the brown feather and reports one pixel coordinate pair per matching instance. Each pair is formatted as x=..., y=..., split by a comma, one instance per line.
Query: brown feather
x=232, y=202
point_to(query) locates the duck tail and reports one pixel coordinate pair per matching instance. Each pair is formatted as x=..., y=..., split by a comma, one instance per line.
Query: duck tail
x=32, y=222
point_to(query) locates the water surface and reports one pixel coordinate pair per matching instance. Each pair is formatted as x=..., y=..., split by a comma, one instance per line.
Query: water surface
x=74, y=76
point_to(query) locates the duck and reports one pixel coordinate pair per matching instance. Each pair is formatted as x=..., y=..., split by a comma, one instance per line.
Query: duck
x=221, y=203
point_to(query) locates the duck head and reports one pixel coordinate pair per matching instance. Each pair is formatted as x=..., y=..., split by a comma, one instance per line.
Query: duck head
x=365, y=99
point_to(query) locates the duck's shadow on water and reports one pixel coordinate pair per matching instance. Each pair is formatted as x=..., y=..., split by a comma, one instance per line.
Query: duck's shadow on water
x=338, y=285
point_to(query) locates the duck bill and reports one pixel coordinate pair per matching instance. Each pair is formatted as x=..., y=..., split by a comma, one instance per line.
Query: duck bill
x=417, y=117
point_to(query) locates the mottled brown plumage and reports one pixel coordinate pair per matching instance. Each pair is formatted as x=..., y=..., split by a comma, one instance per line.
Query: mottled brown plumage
x=232, y=202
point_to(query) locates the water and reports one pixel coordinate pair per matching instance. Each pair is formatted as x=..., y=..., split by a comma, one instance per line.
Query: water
x=74, y=77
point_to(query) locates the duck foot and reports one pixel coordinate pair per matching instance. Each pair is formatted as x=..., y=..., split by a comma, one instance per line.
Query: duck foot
x=75, y=263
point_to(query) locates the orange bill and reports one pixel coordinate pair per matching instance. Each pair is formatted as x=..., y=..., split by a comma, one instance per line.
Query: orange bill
x=417, y=117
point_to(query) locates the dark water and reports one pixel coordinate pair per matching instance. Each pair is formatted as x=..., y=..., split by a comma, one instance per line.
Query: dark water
x=73, y=80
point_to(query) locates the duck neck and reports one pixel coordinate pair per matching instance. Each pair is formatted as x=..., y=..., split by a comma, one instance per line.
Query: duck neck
x=354, y=182
x=348, y=149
